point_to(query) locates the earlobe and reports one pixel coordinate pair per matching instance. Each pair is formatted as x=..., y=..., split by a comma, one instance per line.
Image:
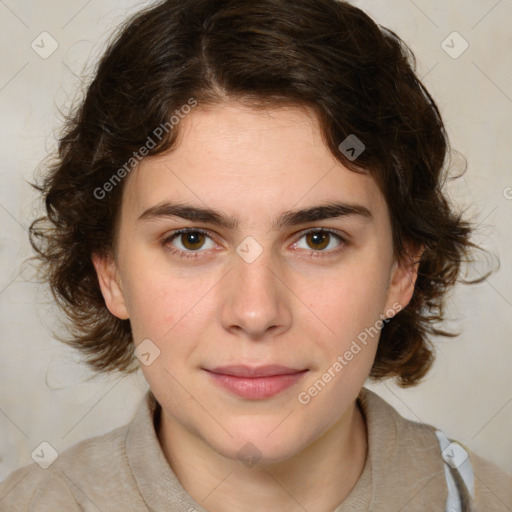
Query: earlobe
x=110, y=285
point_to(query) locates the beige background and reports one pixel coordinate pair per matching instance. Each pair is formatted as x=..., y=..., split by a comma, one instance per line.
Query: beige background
x=44, y=395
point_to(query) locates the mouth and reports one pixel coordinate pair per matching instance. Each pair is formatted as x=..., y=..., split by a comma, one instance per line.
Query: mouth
x=256, y=383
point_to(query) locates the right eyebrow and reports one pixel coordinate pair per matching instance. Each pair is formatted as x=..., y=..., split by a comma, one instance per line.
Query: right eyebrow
x=287, y=218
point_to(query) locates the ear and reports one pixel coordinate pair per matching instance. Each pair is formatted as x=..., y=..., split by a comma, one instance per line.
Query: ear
x=110, y=284
x=403, y=278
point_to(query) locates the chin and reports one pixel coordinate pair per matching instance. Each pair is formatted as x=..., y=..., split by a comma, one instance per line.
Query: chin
x=258, y=446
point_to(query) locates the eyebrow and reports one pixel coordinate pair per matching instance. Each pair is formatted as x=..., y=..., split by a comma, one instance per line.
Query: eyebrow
x=328, y=210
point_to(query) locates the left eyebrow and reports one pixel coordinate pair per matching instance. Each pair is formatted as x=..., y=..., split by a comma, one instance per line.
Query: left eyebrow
x=321, y=212
x=288, y=218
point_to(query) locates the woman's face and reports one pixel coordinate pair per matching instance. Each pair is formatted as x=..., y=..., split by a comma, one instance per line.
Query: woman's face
x=273, y=277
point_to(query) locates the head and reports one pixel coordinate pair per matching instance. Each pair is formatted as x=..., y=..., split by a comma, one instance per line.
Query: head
x=252, y=122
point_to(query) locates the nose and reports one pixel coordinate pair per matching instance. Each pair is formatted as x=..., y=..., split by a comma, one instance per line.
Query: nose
x=255, y=301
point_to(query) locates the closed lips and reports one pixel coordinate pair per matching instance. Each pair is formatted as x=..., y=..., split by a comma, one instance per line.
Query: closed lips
x=255, y=372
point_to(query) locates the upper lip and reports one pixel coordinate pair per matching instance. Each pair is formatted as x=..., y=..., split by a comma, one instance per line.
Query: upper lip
x=255, y=371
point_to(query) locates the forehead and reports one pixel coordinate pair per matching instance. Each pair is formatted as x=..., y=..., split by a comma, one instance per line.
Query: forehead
x=248, y=162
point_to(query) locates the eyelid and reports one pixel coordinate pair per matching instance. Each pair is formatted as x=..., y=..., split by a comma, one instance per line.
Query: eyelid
x=342, y=237
x=168, y=238
x=343, y=240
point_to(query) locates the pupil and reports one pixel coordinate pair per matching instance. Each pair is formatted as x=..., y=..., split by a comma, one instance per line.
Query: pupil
x=192, y=239
x=319, y=238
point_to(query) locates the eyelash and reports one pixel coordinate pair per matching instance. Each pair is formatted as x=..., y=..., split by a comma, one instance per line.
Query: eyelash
x=194, y=254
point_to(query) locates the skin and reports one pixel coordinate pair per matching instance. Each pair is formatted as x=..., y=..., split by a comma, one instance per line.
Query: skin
x=299, y=304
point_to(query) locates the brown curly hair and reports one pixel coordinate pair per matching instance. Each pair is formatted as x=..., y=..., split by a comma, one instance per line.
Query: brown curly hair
x=327, y=55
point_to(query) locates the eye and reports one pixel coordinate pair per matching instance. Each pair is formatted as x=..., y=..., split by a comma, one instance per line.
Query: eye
x=318, y=240
x=190, y=240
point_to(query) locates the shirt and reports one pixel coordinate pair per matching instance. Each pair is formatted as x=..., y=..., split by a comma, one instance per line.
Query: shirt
x=126, y=470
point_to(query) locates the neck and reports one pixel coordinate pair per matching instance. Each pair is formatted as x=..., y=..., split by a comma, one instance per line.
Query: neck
x=317, y=478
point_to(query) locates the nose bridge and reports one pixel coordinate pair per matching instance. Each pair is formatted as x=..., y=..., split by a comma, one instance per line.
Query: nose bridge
x=254, y=298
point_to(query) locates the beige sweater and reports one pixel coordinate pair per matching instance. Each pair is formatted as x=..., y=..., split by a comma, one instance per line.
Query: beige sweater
x=126, y=470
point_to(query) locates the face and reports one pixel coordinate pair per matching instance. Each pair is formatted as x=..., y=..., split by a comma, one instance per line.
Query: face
x=260, y=266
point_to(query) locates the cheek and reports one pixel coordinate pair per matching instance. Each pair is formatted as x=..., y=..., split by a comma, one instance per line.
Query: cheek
x=350, y=300
x=170, y=314
x=169, y=308
x=350, y=306
x=154, y=300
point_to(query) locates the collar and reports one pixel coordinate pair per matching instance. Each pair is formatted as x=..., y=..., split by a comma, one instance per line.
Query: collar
x=403, y=467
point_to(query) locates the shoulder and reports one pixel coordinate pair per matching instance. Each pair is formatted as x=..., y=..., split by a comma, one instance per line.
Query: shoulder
x=416, y=445
x=392, y=432
x=31, y=485
x=76, y=472
x=493, y=486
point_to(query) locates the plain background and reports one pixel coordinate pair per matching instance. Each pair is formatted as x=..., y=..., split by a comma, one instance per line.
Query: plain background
x=44, y=395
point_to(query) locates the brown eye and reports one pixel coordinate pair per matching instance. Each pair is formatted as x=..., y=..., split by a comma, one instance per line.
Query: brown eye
x=192, y=240
x=318, y=239
x=321, y=241
x=189, y=241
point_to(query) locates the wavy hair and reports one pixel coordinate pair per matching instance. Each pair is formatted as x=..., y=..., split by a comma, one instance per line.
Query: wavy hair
x=358, y=79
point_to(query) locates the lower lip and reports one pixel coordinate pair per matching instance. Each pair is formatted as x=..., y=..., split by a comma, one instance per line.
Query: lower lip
x=256, y=388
